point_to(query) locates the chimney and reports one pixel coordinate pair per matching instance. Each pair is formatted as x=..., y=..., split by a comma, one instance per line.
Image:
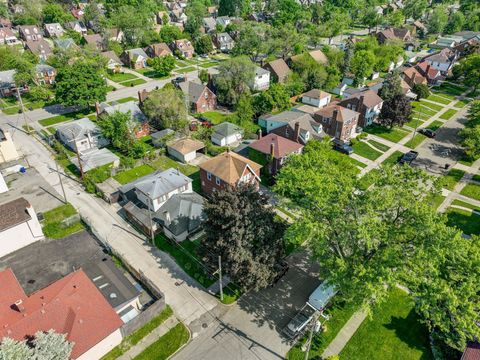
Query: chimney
x=296, y=133
x=334, y=115
x=167, y=218
x=414, y=75
x=360, y=103
x=97, y=108
x=259, y=134
x=18, y=306
x=272, y=150
x=427, y=70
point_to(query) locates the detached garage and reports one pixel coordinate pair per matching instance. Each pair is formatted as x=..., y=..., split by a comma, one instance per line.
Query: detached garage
x=226, y=133
x=185, y=150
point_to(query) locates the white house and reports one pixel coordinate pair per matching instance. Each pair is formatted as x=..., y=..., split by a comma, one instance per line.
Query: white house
x=19, y=226
x=185, y=150
x=80, y=135
x=226, y=133
x=442, y=61
x=261, y=80
x=7, y=147
x=317, y=98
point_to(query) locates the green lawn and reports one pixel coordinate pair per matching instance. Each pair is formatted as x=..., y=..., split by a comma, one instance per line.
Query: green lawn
x=53, y=223
x=185, y=255
x=431, y=106
x=465, y=205
x=461, y=104
x=465, y=220
x=138, y=335
x=417, y=140
x=439, y=99
x=357, y=163
x=119, y=77
x=379, y=145
x=363, y=149
x=163, y=162
x=393, y=159
x=166, y=345
x=208, y=64
x=436, y=200
x=124, y=100
x=420, y=108
x=448, y=114
x=435, y=125
x=451, y=89
x=394, y=135
x=414, y=123
x=393, y=332
x=124, y=177
x=471, y=191
x=65, y=117
x=216, y=117
x=149, y=72
x=420, y=116
x=476, y=177
x=134, y=82
x=185, y=70
x=452, y=178
x=339, y=313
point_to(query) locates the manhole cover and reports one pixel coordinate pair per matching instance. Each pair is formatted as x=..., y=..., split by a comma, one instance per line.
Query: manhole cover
x=31, y=281
x=204, y=325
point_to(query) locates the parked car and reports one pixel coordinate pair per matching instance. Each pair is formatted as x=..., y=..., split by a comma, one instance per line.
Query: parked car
x=343, y=148
x=178, y=80
x=428, y=132
x=408, y=157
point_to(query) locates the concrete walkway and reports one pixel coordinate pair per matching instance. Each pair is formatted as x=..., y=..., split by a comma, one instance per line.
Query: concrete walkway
x=148, y=340
x=345, y=334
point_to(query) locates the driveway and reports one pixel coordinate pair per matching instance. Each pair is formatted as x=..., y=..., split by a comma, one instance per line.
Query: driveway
x=434, y=154
x=252, y=328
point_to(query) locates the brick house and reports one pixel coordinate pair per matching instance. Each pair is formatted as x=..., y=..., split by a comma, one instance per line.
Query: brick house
x=413, y=77
x=45, y=74
x=158, y=50
x=367, y=103
x=393, y=34
x=272, y=151
x=199, y=96
x=138, y=123
x=338, y=121
x=185, y=47
x=297, y=126
x=228, y=169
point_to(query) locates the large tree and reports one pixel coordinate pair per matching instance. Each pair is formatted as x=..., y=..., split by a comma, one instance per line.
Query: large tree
x=414, y=9
x=396, y=111
x=312, y=73
x=470, y=135
x=80, y=83
x=242, y=228
x=362, y=65
x=369, y=238
x=391, y=87
x=437, y=20
x=234, y=78
x=163, y=65
x=51, y=346
x=166, y=108
x=469, y=70
x=134, y=22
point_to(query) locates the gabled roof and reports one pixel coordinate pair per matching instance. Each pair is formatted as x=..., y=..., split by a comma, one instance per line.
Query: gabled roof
x=160, y=49
x=78, y=129
x=414, y=75
x=343, y=114
x=39, y=47
x=317, y=55
x=472, y=352
x=130, y=106
x=14, y=213
x=193, y=90
x=280, y=68
x=370, y=98
x=224, y=38
x=260, y=71
x=316, y=94
x=158, y=183
x=93, y=158
x=443, y=56
x=72, y=306
x=184, y=44
x=281, y=146
x=65, y=43
x=186, y=146
x=229, y=166
x=432, y=72
x=226, y=129
x=95, y=39
x=110, y=55
x=135, y=54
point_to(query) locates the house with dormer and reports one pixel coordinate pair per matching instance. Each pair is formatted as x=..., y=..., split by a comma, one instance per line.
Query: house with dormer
x=30, y=33
x=185, y=47
x=338, y=122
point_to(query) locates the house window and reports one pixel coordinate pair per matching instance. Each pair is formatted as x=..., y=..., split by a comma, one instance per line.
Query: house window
x=209, y=176
x=217, y=181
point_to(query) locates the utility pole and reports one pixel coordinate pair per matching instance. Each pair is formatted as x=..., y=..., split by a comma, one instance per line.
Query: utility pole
x=220, y=276
x=27, y=128
x=61, y=182
x=310, y=336
x=78, y=155
x=152, y=235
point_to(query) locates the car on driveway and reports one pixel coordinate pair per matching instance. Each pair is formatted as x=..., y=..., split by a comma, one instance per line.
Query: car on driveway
x=343, y=148
x=408, y=157
x=428, y=132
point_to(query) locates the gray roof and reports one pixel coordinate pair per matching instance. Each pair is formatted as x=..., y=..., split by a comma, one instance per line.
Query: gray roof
x=93, y=158
x=161, y=134
x=158, y=183
x=134, y=54
x=260, y=71
x=210, y=23
x=226, y=129
x=224, y=38
x=6, y=78
x=65, y=43
x=44, y=68
x=130, y=106
x=192, y=89
x=78, y=129
x=285, y=116
x=185, y=211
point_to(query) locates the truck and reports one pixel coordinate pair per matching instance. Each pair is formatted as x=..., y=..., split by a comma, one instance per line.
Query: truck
x=316, y=302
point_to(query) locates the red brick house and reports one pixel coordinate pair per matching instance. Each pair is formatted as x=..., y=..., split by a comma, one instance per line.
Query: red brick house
x=228, y=169
x=367, y=103
x=185, y=48
x=337, y=121
x=272, y=151
x=426, y=70
x=158, y=50
x=199, y=96
x=413, y=77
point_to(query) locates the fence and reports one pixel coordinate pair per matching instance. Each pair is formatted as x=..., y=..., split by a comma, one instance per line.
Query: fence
x=143, y=318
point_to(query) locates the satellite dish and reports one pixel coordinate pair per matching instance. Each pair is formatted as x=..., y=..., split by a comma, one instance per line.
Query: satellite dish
x=113, y=296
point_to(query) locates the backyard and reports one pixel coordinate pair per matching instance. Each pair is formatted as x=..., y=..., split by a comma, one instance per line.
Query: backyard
x=61, y=222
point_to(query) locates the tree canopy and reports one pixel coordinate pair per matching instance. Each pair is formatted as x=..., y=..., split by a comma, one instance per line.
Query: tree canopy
x=165, y=108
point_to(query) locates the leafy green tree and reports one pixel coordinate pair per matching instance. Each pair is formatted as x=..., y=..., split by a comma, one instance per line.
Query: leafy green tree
x=362, y=64
x=94, y=16
x=203, y=45
x=371, y=18
x=469, y=70
x=294, y=84
x=288, y=12
x=275, y=98
x=195, y=11
x=242, y=229
x=163, y=65
x=12, y=349
x=80, y=84
x=40, y=93
x=396, y=111
x=32, y=13
x=438, y=20
x=233, y=7
x=244, y=109
x=254, y=39
x=456, y=22
x=287, y=39
x=470, y=135
x=234, y=78
x=55, y=13
x=4, y=10
x=422, y=91
x=133, y=22
x=415, y=9
x=391, y=87
x=386, y=54
x=203, y=76
x=165, y=109
x=395, y=18
x=51, y=346
x=169, y=33
x=313, y=74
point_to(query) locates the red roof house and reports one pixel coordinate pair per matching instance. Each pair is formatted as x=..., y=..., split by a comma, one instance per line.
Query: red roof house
x=72, y=306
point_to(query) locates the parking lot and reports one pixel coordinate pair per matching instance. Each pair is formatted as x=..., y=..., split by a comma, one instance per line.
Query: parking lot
x=444, y=149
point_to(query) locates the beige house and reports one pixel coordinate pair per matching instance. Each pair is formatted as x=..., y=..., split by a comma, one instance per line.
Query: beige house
x=7, y=147
x=185, y=150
